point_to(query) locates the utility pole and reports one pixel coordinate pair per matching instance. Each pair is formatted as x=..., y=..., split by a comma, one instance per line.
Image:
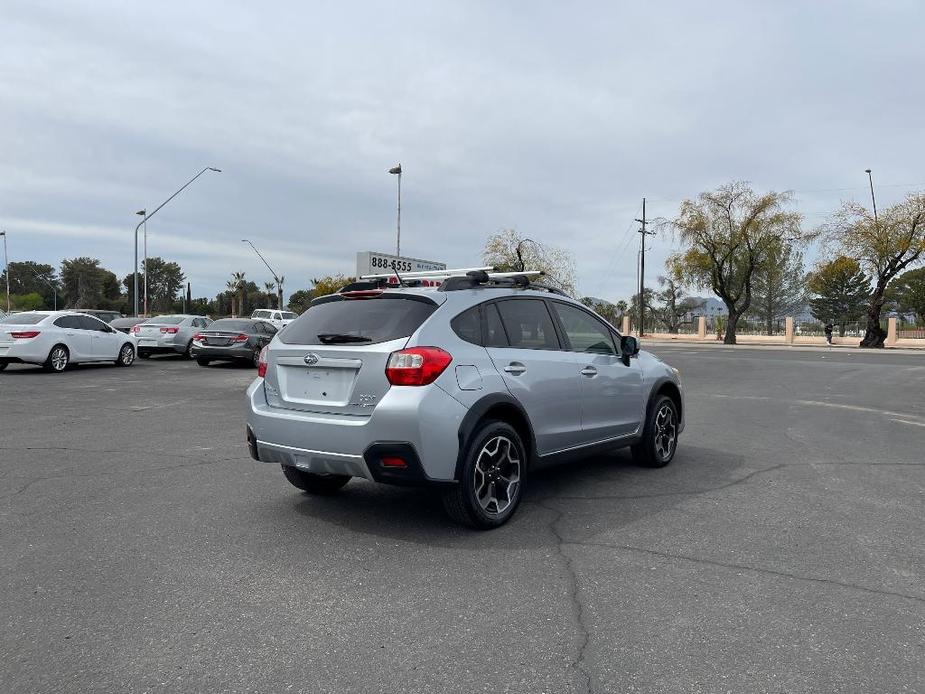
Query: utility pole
x=642, y=268
x=6, y=271
x=396, y=170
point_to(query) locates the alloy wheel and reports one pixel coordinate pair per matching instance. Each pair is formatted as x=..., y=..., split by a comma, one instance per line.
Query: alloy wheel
x=127, y=355
x=58, y=359
x=496, y=475
x=666, y=431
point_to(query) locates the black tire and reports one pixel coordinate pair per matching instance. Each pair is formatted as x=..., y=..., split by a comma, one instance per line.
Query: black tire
x=202, y=361
x=126, y=355
x=494, y=465
x=322, y=485
x=188, y=352
x=3, y=365
x=144, y=354
x=255, y=359
x=59, y=358
x=660, y=435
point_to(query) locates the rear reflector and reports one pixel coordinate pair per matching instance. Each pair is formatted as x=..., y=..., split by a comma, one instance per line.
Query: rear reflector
x=417, y=366
x=393, y=462
x=170, y=331
x=240, y=338
x=25, y=334
x=197, y=338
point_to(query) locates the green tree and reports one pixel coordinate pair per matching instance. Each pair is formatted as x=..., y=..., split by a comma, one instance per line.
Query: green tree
x=33, y=301
x=165, y=280
x=840, y=291
x=605, y=309
x=507, y=251
x=28, y=277
x=300, y=300
x=87, y=285
x=728, y=234
x=329, y=284
x=908, y=292
x=269, y=289
x=884, y=246
x=779, y=285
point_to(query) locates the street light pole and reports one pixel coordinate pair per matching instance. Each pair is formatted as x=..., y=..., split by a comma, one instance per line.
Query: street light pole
x=870, y=177
x=145, y=261
x=6, y=262
x=148, y=216
x=276, y=278
x=397, y=170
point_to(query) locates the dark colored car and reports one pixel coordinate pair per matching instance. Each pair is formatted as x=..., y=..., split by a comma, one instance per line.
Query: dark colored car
x=103, y=315
x=125, y=325
x=232, y=339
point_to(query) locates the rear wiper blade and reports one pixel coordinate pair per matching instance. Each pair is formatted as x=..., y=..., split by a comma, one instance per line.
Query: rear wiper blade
x=331, y=338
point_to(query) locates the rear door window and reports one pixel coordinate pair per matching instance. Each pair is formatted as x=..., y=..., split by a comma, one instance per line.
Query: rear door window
x=494, y=330
x=358, y=321
x=528, y=324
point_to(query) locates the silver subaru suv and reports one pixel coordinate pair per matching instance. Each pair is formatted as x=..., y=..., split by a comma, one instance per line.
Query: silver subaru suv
x=467, y=387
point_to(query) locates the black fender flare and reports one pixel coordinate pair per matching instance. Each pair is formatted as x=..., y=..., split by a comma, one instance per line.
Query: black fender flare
x=654, y=391
x=478, y=411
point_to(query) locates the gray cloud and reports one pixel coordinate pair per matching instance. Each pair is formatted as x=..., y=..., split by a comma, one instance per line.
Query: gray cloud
x=552, y=118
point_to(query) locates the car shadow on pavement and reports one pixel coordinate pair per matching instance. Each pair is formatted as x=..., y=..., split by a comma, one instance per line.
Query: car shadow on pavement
x=606, y=492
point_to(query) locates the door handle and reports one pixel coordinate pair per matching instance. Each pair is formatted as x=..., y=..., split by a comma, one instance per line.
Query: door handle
x=589, y=371
x=515, y=368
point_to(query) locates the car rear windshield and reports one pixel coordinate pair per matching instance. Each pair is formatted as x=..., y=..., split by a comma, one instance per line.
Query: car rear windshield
x=235, y=325
x=24, y=318
x=287, y=315
x=358, y=321
x=166, y=320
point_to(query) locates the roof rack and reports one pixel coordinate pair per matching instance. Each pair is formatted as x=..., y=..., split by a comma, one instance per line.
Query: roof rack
x=455, y=279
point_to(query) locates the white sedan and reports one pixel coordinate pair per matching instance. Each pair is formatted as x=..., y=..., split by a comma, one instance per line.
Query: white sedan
x=56, y=339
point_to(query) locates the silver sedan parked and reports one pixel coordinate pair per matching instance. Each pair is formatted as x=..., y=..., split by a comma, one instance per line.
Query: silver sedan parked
x=168, y=334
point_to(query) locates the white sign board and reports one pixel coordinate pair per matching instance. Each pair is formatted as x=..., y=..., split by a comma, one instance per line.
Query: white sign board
x=372, y=263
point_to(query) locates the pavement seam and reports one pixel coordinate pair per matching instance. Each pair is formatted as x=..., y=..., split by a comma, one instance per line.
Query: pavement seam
x=578, y=608
x=744, y=567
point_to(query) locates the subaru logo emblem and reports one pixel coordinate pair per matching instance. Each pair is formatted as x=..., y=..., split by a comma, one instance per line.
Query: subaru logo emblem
x=311, y=359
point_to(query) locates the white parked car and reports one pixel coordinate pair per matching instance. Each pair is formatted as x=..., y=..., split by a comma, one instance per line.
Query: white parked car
x=279, y=319
x=56, y=339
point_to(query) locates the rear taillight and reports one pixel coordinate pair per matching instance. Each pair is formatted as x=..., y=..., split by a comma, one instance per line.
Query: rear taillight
x=197, y=338
x=240, y=338
x=25, y=334
x=417, y=366
x=136, y=329
x=262, y=364
x=170, y=331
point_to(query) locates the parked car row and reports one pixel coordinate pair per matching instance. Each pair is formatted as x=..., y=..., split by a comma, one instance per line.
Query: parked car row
x=58, y=339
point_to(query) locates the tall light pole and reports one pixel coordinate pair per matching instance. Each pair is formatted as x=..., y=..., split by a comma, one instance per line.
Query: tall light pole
x=145, y=261
x=397, y=171
x=277, y=278
x=148, y=216
x=6, y=262
x=870, y=177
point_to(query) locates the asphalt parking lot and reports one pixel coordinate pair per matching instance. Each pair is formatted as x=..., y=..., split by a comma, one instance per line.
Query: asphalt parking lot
x=782, y=551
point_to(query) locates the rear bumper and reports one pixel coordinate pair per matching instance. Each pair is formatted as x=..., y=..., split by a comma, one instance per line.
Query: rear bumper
x=161, y=346
x=419, y=425
x=229, y=353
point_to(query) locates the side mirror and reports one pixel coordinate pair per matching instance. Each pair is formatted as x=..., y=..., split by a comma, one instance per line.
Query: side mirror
x=629, y=346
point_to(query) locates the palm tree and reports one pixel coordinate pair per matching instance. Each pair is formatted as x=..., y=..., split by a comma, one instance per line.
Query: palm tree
x=279, y=293
x=240, y=284
x=268, y=288
x=231, y=288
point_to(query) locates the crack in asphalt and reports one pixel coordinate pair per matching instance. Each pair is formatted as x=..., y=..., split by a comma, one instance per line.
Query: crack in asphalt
x=578, y=608
x=745, y=567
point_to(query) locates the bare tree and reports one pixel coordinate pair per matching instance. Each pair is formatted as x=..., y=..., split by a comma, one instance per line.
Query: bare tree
x=728, y=233
x=884, y=245
x=509, y=252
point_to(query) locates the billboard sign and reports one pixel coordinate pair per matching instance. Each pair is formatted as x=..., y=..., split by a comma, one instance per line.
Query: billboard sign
x=373, y=263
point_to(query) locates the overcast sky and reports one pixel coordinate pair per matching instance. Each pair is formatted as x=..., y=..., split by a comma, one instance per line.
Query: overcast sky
x=551, y=118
